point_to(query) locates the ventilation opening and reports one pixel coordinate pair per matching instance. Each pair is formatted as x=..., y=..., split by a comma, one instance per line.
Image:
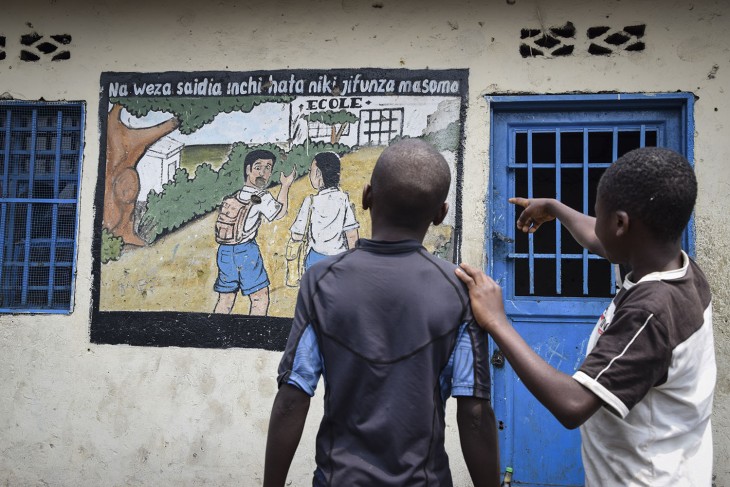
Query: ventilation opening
x=51, y=47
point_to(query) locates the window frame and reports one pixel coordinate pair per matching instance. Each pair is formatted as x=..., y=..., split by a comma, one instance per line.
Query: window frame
x=504, y=107
x=59, y=154
x=383, y=136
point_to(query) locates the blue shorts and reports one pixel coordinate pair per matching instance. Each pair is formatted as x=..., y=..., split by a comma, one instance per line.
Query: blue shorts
x=312, y=258
x=240, y=267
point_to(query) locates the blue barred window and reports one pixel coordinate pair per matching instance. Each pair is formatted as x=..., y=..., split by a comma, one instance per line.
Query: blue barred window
x=566, y=163
x=40, y=167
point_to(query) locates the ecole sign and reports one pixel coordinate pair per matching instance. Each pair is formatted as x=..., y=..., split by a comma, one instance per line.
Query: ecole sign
x=334, y=103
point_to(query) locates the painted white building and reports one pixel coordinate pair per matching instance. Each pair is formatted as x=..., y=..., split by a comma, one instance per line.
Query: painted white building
x=158, y=165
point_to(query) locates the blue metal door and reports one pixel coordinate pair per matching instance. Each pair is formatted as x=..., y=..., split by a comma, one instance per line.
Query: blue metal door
x=558, y=146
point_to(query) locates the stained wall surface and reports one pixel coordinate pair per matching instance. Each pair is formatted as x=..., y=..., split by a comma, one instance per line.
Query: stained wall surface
x=73, y=412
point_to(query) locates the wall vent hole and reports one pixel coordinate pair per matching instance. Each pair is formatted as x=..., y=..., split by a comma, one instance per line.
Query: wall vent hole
x=64, y=39
x=46, y=47
x=635, y=30
x=565, y=50
x=28, y=56
x=597, y=50
x=529, y=51
x=547, y=42
x=594, y=32
x=525, y=33
x=566, y=31
x=637, y=46
x=617, y=38
x=30, y=39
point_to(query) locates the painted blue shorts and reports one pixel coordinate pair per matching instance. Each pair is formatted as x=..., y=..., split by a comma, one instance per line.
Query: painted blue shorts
x=312, y=258
x=240, y=267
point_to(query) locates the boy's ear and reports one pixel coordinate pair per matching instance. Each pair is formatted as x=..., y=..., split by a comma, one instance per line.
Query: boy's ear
x=622, y=223
x=443, y=210
x=367, y=197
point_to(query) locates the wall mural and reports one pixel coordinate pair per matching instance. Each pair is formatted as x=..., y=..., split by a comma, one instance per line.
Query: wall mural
x=217, y=189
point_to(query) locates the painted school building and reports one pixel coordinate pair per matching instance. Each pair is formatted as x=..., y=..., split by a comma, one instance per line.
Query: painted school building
x=123, y=125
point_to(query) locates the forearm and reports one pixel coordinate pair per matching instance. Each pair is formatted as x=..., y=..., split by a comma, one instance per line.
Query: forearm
x=580, y=226
x=351, y=236
x=288, y=416
x=478, y=436
x=564, y=397
x=283, y=199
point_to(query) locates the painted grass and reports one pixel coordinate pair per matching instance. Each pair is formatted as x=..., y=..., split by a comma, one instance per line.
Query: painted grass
x=177, y=272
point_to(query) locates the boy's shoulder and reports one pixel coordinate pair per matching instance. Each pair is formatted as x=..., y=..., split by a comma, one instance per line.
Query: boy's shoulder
x=677, y=299
x=685, y=284
x=411, y=262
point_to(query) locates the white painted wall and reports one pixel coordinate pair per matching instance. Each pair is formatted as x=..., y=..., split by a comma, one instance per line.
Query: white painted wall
x=77, y=414
x=157, y=166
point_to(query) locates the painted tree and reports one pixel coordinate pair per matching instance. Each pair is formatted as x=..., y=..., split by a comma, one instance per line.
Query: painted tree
x=343, y=118
x=125, y=146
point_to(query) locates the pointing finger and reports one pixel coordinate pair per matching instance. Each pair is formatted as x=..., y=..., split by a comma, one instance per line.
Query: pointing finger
x=523, y=202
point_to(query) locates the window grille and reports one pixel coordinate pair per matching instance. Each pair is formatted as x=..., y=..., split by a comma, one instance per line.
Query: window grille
x=566, y=163
x=378, y=127
x=40, y=168
x=319, y=130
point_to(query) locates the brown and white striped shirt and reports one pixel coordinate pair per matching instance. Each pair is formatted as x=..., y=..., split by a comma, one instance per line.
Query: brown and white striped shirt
x=651, y=360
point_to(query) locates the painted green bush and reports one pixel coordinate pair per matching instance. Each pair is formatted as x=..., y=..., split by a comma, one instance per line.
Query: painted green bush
x=111, y=246
x=186, y=198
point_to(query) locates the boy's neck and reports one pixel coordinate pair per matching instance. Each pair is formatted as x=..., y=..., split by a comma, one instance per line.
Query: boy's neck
x=657, y=257
x=391, y=233
x=396, y=236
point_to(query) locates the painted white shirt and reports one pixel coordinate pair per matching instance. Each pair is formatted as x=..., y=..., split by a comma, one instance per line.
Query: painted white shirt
x=268, y=208
x=331, y=217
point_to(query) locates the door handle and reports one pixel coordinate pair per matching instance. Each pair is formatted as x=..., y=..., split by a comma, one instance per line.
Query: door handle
x=498, y=359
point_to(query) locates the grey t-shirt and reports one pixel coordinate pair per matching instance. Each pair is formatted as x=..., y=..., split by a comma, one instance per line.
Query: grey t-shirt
x=390, y=329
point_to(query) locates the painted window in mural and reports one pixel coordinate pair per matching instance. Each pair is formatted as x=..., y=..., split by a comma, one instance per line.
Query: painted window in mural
x=218, y=189
x=40, y=167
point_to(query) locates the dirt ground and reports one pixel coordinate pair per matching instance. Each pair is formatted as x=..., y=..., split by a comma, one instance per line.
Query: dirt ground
x=177, y=272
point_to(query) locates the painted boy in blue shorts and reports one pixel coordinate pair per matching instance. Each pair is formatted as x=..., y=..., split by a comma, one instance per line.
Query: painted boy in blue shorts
x=240, y=266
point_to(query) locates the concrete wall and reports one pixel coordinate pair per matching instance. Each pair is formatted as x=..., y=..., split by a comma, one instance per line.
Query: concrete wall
x=76, y=413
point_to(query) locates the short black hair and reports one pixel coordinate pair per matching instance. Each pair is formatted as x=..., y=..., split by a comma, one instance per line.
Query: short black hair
x=655, y=185
x=410, y=182
x=255, y=155
x=329, y=165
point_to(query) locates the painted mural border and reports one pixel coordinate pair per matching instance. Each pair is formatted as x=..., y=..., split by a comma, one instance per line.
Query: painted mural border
x=209, y=330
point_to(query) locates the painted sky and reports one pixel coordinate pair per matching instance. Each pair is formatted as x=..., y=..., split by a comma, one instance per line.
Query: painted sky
x=265, y=123
x=269, y=122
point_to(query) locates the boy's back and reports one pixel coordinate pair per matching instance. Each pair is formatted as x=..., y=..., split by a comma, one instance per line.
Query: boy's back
x=387, y=317
x=654, y=370
x=388, y=326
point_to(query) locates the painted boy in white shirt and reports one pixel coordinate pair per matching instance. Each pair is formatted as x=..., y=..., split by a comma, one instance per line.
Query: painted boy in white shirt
x=328, y=216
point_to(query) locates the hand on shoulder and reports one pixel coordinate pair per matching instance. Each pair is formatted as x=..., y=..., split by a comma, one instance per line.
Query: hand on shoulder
x=485, y=295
